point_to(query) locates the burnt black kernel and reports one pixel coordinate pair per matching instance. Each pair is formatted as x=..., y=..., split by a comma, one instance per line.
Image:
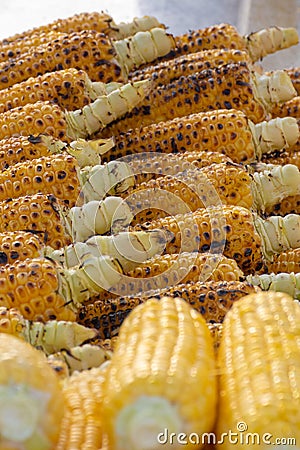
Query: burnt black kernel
x=227, y=105
x=205, y=248
x=38, y=179
x=66, y=51
x=226, y=92
x=248, y=252
x=3, y=258
x=227, y=228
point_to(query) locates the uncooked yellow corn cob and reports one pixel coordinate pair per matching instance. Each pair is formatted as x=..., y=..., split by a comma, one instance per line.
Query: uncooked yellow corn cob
x=50, y=337
x=226, y=131
x=285, y=262
x=70, y=88
x=81, y=426
x=258, y=44
x=165, y=72
x=140, y=401
x=287, y=282
x=226, y=183
x=258, y=360
x=32, y=404
x=101, y=22
x=61, y=176
x=18, y=149
x=289, y=108
x=82, y=357
x=211, y=298
x=42, y=290
x=49, y=118
x=233, y=231
x=45, y=215
x=171, y=269
x=19, y=245
x=225, y=87
x=103, y=60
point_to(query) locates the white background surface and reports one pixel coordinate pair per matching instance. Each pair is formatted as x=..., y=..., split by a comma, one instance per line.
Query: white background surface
x=180, y=15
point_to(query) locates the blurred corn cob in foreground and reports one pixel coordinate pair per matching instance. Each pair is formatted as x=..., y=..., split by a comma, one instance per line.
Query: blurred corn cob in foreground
x=227, y=131
x=258, y=44
x=82, y=422
x=233, y=230
x=258, y=362
x=103, y=60
x=136, y=389
x=226, y=183
x=50, y=337
x=32, y=393
x=212, y=299
x=98, y=21
x=225, y=87
x=49, y=118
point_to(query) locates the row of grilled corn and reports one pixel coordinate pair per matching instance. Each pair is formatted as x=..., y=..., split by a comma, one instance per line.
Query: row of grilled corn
x=108, y=285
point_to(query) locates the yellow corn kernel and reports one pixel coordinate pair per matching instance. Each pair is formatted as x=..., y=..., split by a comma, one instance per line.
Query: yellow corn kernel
x=164, y=347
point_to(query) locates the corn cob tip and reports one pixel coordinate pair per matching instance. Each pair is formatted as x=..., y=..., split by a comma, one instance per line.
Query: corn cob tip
x=269, y=40
x=275, y=134
x=274, y=88
x=88, y=153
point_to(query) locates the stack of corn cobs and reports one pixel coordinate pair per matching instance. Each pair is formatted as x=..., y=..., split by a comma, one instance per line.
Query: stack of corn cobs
x=155, y=177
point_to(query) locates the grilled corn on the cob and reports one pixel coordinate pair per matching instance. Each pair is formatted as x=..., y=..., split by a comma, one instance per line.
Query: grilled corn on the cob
x=103, y=60
x=227, y=131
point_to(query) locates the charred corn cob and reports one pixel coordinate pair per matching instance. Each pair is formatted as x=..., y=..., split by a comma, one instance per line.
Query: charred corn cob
x=212, y=299
x=50, y=337
x=42, y=290
x=32, y=405
x=165, y=72
x=19, y=245
x=137, y=394
x=18, y=149
x=232, y=230
x=285, y=262
x=82, y=357
x=94, y=52
x=258, y=44
x=81, y=425
x=258, y=361
x=61, y=176
x=70, y=88
x=225, y=87
x=101, y=22
x=288, y=108
x=225, y=131
x=226, y=183
x=60, y=226
x=171, y=269
x=49, y=118
x=287, y=282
